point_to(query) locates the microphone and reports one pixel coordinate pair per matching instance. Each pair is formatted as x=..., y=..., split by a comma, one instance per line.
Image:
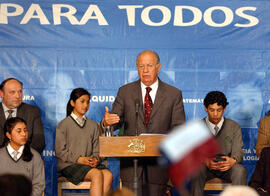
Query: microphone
x=137, y=105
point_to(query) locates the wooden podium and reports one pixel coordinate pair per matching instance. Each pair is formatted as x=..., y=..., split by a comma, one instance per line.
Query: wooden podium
x=130, y=146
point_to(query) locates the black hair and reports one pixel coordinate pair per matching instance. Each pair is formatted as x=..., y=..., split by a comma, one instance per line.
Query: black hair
x=15, y=184
x=215, y=97
x=8, y=127
x=267, y=113
x=76, y=94
x=2, y=85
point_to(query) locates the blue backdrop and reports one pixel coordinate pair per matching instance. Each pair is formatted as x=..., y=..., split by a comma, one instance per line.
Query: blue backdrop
x=55, y=46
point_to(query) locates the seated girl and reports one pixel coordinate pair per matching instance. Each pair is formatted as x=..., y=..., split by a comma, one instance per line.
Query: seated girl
x=76, y=146
x=17, y=157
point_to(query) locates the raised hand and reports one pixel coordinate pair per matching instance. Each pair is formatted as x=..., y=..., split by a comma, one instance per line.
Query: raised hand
x=110, y=119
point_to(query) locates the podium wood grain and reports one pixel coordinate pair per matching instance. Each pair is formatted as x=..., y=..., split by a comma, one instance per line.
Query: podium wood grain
x=118, y=146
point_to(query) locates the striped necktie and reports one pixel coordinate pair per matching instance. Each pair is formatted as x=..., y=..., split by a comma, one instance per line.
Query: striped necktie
x=15, y=155
x=216, y=130
x=9, y=113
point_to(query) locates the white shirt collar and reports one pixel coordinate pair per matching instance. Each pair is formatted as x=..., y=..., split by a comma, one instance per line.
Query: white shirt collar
x=79, y=120
x=152, y=93
x=5, y=108
x=11, y=151
x=212, y=126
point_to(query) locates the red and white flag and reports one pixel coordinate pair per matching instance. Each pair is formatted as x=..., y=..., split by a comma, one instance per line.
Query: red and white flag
x=186, y=148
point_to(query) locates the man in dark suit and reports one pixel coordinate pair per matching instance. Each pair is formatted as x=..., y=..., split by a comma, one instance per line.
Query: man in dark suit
x=12, y=106
x=260, y=179
x=166, y=112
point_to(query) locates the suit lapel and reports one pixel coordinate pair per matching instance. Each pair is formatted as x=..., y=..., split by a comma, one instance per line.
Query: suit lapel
x=137, y=94
x=161, y=91
x=20, y=112
x=2, y=116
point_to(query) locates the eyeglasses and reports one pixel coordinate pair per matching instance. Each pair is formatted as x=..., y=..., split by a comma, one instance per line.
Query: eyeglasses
x=149, y=66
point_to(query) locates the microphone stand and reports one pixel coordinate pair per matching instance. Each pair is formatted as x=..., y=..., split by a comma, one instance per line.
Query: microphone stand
x=135, y=160
x=137, y=131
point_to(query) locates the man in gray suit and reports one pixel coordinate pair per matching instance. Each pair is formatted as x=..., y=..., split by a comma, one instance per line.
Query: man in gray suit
x=226, y=165
x=167, y=111
x=12, y=106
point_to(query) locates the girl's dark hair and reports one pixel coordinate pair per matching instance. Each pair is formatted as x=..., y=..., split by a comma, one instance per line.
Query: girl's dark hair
x=8, y=127
x=76, y=94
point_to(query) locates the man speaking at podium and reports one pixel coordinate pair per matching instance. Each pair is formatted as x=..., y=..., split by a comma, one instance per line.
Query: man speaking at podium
x=146, y=106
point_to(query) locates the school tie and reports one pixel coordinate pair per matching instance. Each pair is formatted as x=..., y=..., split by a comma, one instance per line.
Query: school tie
x=81, y=121
x=9, y=113
x=148, y=104
x=216, y=129
x=15, y=155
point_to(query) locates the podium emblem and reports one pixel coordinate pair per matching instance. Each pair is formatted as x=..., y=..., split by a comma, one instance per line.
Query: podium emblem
x=136, y=146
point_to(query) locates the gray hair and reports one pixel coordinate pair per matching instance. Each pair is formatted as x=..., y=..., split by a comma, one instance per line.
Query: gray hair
x=151, y=51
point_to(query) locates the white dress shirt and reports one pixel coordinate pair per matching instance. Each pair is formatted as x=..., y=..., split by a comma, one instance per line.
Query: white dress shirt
x=5, y=108
x=80, y=121
x=11, y=151
x=152, y=93
x=212, y=126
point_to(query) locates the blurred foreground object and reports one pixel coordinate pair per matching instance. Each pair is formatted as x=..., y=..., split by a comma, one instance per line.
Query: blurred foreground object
x=15, y=185
x=121, y=192
x=186, y=149
x=239, y=190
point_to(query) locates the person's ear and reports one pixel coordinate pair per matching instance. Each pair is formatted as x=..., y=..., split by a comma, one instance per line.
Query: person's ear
x=159, y=66
x=8, y=135
x=72, y=103
x=205, y=108
x=1, y=94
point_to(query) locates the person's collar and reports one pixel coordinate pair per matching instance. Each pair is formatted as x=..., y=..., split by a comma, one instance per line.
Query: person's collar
x=5, y=108
x=219, y=125
x=154, y=86
x=80, y=121
x=74, y=116
x=11, y=150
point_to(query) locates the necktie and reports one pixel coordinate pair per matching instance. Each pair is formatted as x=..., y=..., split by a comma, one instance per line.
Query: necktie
x=216, y=130
x=148, y=104
x=9, y=113
x=15, y=154
x=80, y=121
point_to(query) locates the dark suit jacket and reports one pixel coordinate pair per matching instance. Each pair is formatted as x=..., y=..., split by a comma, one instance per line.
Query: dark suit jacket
x=261, y=176
x=167, y=112
x=31, y=114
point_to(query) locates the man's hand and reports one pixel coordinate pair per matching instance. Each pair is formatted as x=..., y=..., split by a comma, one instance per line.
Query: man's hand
x=226, y=165
x=110, y=119
x=211, y=164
